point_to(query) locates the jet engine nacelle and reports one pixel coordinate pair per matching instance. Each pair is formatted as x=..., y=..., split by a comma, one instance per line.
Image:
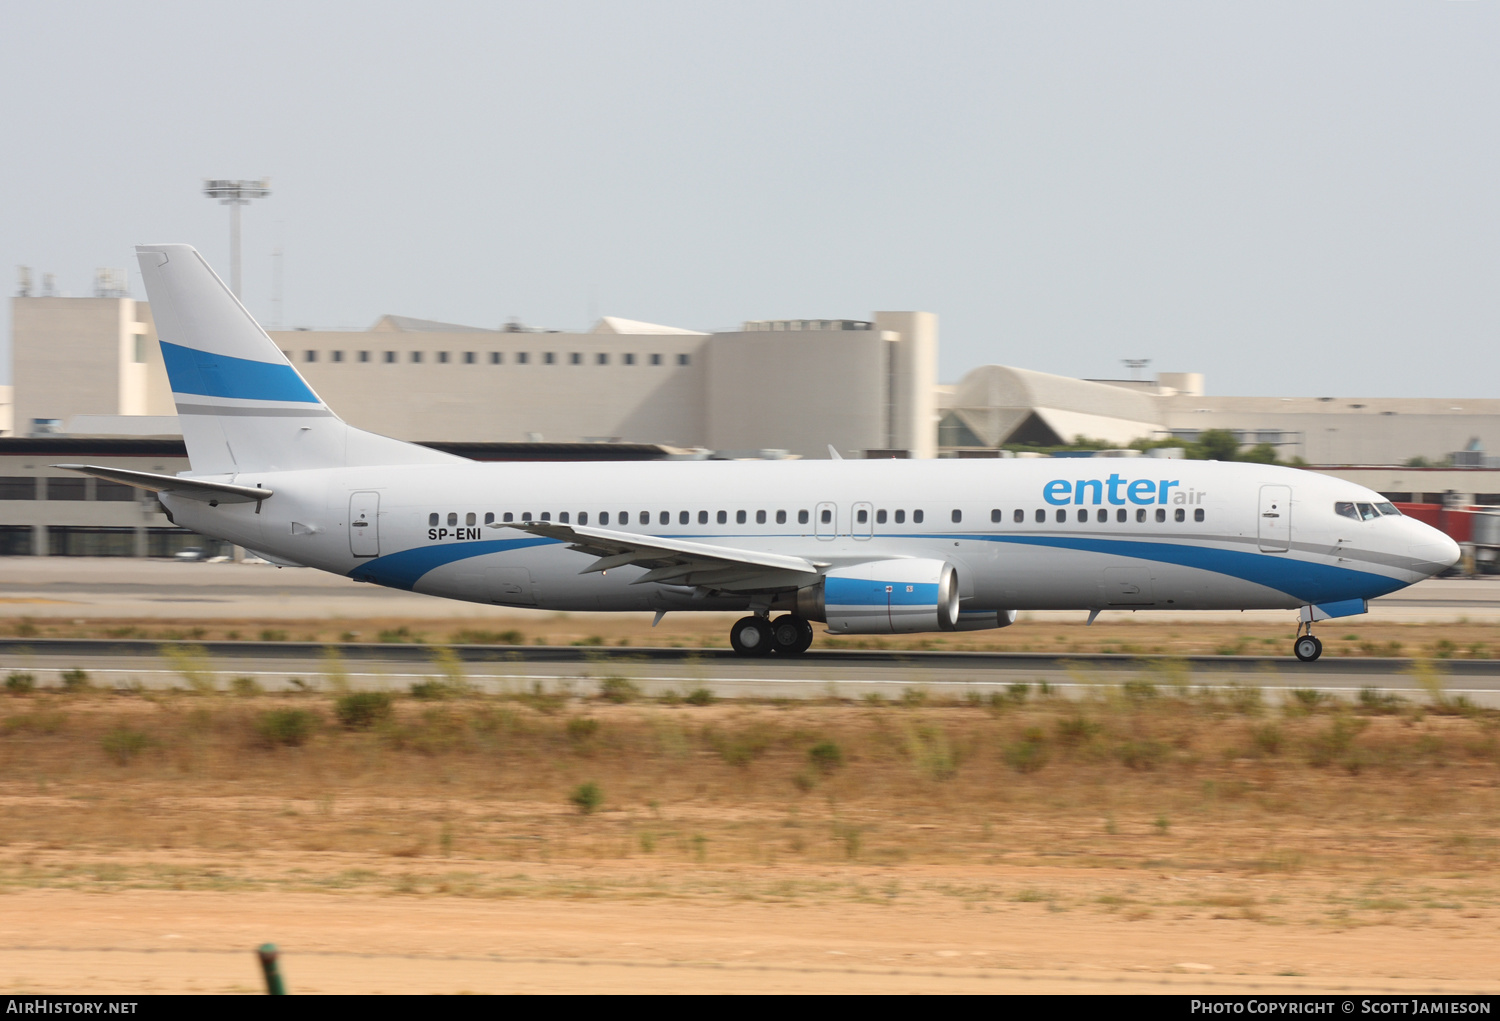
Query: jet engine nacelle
x=890, y=597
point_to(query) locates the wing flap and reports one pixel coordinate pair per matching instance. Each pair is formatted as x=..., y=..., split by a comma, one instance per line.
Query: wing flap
x=680, y=560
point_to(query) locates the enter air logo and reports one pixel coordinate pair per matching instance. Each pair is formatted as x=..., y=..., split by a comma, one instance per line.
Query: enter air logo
x=1116, y=490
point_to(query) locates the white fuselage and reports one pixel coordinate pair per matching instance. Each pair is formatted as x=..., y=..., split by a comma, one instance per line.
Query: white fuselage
x=1092, y=533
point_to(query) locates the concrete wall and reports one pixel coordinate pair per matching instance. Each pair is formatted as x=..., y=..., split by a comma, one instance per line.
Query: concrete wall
x=914, y=386
x=798, y=391
x=85, y=356
x=457, y=400
x=1370, y=430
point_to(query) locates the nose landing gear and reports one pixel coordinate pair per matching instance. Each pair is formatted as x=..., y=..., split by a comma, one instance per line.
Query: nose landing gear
x=1307, y=647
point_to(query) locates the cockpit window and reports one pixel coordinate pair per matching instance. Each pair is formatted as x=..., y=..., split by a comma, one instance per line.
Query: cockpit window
x=1368, y=512
x=1346, y=509
x=1388, y=508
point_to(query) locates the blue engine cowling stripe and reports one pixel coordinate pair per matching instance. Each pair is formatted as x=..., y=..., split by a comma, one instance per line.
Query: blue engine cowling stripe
x=861, y=592
x=211, y=375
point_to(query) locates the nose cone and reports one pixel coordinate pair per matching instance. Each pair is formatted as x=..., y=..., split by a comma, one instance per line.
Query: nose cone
x=1435, y=553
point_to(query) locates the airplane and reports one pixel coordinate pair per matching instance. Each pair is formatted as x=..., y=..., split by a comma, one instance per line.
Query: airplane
x=862, y=546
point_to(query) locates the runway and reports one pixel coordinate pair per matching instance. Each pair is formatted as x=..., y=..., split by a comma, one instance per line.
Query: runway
x=298, y=666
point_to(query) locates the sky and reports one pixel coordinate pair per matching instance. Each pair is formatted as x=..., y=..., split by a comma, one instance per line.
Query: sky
x=1292, y=198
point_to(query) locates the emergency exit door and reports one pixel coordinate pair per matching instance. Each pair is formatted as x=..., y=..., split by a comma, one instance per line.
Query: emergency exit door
x=364, y=524
x=1275, y=518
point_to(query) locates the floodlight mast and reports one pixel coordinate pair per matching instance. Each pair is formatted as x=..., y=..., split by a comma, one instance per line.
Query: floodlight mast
x=235, y=194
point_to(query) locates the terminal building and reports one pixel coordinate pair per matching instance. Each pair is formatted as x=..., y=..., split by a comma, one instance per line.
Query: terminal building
x=89, y=384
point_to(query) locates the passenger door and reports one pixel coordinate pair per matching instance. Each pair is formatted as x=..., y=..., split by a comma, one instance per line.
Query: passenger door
x=364, y=524
x=1275, y=518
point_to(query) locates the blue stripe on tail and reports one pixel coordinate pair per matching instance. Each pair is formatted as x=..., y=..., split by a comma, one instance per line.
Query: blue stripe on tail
x=209, y=375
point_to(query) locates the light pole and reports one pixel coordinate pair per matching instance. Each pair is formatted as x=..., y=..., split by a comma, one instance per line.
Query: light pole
x=235, y=194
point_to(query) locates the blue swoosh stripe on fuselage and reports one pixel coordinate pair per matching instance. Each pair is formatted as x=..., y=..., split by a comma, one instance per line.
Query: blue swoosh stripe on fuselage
x=1309, y=582
x=405, y=569
x=205, y=374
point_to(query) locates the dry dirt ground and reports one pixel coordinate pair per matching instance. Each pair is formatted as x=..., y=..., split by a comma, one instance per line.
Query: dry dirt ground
x=1456, y=638
x=1151, y=839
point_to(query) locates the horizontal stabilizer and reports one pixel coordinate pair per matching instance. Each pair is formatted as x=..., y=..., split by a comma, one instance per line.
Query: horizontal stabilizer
x=195, y=489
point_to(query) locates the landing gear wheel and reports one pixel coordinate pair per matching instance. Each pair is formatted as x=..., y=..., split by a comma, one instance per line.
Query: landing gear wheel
x=751, y=636
x=1308, y=648
x=790, y=635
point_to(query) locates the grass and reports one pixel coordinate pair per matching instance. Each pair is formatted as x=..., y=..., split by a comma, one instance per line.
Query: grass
x=361, y=710
x=500, y=779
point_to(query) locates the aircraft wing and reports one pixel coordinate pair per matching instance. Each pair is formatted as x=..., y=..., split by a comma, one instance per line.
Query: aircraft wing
x=679, y=561
x=197, y=489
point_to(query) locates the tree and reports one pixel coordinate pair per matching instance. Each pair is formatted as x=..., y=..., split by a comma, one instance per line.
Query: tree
x=1217, y=445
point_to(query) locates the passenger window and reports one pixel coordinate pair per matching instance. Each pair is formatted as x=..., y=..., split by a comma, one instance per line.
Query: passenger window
x=1180, y=514
x=958, y=516
x=826, y=516
x=664, y=518
x=916, y=517
x=432, y=520
x=604, y=517
x=583, y=517
x=509, y=517
x=1062, y=515
x=1345, y=508
x=1041, y=516
x=546, y=515
x=1018, y=516
x=1101, y=515
x=1367, y=512
x=703, y=517
x=862, y=516
x=802, y=517
x=1161, y=515
x=1083, y=514
x=781, y=517
x=684, y=517
x=624, y=518
x=1121, y=515
x=1198, y=514
x=995, y=516
x=722, y=517
x=489, y=517
x=901, y=517
x=1388, y=508
x=562, y=518
x=760, y=517
x=1140, y=514
x=452, y=518
x=645, y=517
x=880, y=517
x=739, y=517
x=469, y=518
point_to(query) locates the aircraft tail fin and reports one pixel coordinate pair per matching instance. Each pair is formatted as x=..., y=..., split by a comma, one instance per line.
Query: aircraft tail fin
x=241, y=403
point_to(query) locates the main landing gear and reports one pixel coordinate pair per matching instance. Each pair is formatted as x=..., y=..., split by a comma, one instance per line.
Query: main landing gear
x=1307, y=647
x=787, y=635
